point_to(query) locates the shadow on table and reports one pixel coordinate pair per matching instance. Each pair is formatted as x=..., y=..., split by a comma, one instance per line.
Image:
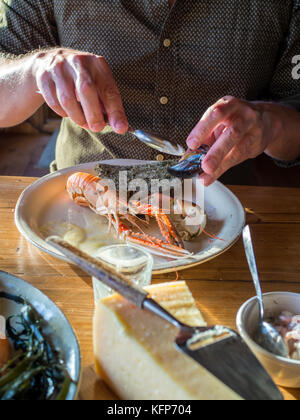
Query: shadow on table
x=93, y=388
x=262, y=171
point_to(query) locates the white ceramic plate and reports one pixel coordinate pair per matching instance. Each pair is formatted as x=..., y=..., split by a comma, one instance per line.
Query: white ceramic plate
x=47, y=201
x=55, y=324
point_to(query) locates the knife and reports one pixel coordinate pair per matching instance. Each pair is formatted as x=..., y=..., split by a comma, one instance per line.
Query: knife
x=218, y=349
x=152, y=140
x=158, y=143
x=155, y=142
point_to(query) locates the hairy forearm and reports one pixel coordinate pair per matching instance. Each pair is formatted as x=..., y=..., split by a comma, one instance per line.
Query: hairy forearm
x=18, y=91
x=284, y=130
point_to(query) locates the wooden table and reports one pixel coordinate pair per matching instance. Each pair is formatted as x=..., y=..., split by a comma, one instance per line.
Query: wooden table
x=219, y=286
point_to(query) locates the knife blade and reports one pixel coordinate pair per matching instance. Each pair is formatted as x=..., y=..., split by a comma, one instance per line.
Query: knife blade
x=232, y=361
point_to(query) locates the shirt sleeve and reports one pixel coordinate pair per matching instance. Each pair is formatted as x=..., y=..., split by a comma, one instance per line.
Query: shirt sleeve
x=26, y=25
x=285, y=86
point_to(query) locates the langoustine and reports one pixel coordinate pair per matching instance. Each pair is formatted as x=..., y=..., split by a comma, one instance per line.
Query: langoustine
x=88, y=190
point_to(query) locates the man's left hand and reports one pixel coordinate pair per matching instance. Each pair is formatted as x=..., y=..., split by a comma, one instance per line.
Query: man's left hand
x=236, y=130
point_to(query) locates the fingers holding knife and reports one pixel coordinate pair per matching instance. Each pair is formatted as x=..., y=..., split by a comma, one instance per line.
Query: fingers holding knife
x=81, y=86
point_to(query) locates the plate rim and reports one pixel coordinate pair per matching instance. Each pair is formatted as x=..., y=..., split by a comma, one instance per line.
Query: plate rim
x=31, y=239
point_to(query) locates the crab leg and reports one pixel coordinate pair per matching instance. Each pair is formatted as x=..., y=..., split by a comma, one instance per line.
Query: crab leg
x=168, y=230
x=166, y=227
x=156, y=244
x=148, y=241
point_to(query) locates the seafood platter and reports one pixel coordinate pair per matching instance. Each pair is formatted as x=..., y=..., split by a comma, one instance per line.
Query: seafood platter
x=77, y=205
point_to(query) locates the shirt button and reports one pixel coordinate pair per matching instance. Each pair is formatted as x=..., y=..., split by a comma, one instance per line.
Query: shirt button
x=167, y=43
x=164, y=100
x=160, y=158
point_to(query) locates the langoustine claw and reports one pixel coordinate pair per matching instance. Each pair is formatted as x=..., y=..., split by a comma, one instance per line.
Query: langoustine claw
x=190, y=165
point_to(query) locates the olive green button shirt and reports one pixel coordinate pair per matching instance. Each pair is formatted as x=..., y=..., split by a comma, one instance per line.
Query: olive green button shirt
x=170, y=64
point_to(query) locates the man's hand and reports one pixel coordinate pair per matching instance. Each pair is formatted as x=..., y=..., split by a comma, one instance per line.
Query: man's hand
x=238, y=130
x=80, y=86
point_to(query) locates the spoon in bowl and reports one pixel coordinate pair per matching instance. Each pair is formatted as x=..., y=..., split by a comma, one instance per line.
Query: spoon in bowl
x=266, y=335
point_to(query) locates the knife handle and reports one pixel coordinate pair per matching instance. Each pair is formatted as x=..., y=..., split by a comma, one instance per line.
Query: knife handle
x=115, y=281
x=100, y=270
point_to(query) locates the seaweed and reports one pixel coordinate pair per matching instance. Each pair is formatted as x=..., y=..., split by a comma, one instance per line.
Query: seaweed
x=36, y=371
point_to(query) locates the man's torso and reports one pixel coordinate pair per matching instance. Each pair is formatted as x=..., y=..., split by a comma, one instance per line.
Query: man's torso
x=171, y=63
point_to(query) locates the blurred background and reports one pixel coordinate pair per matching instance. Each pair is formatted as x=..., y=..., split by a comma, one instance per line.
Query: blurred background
x=29, y=148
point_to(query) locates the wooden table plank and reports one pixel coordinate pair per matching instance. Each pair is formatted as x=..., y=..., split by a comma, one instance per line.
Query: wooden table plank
x=219, y=286
x=11, y=188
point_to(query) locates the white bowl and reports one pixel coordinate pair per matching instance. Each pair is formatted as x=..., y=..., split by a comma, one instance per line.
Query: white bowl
x=285, y=372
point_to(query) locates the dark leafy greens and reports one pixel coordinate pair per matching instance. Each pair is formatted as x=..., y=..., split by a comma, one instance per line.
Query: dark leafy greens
x=36, y=371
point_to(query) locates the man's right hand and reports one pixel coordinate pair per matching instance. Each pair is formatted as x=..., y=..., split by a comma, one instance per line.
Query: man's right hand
x=80, y=86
